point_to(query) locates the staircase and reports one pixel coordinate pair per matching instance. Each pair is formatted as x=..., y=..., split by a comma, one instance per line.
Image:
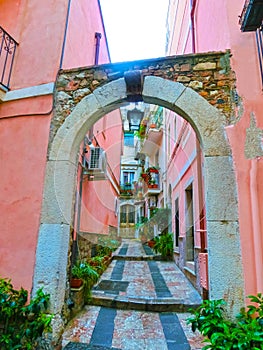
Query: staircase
x=136, y=287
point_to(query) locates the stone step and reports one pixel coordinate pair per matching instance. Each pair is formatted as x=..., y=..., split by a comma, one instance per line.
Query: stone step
x=82, y=346
x=140, y=304
x=137, y=257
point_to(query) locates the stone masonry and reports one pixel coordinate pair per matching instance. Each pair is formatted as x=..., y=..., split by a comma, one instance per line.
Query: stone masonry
x=208, y=74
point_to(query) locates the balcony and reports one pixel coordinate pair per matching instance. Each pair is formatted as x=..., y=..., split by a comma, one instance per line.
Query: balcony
x=7, y=53
x=151, y=185
x=152, y=141
x=149, y=135
x=126, y=191
x=251, y=16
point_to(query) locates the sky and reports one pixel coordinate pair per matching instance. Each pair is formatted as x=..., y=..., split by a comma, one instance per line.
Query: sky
x=136, y=29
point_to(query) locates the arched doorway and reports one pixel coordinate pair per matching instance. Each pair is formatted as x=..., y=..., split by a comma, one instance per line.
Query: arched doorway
x=225, y=268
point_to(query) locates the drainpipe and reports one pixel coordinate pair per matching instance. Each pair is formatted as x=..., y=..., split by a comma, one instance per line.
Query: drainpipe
x=97, y=37
x=193, y=24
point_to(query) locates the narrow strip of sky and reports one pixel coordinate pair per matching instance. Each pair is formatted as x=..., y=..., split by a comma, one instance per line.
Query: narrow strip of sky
x=136, y=29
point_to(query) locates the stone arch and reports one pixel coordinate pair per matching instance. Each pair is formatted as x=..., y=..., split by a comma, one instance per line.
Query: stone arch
x=225, y=269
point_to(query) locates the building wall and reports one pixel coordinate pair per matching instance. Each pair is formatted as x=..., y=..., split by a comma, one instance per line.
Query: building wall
x=25, y=115
x=83, y=25
x=216, y=27
x=98, y=209
x=182, y=172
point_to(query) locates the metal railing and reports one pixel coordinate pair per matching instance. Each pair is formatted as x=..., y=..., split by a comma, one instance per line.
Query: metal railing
x=259, y=38
x=7, y=53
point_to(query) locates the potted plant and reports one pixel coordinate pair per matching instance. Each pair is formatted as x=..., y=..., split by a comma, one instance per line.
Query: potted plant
x=85, y=272
x=152, y=184
x=152, y=169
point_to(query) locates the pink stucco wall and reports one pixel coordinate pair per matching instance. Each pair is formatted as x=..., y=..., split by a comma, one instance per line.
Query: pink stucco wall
x=183, y=156
x=217, y=28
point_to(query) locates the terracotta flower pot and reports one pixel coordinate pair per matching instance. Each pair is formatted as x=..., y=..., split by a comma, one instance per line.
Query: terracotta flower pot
x=75, y=282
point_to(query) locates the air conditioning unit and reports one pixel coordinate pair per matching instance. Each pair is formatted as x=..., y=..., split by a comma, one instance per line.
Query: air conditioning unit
x=97, y=160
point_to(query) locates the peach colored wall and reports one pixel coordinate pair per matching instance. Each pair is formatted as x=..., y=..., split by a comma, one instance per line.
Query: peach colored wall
x=97, y=211
x=22, y=157
x=217, y=28
x=81, y=52
x=39, y=29
x=245, y=63
x=99, y=197
x=111, y=139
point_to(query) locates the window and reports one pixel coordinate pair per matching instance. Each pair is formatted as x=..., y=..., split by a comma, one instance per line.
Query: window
x=127, y=215
x=128, y=177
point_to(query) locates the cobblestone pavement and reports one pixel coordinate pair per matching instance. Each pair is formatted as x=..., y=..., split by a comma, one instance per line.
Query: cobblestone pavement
x=136, y=284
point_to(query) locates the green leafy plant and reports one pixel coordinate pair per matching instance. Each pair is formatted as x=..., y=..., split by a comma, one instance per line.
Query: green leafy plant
x=106, y=246
x=86, y=272
x=98, y=263
x=141, y=132
x=164, y=245
x=221, y=333
x=21, y=324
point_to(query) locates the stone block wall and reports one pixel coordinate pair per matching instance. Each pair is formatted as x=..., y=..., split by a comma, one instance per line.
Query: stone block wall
x=209, y=74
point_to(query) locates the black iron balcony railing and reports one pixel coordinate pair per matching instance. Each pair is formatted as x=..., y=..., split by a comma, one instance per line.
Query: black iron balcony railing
x=7, y=53
x=259, y=37
x=251, y=16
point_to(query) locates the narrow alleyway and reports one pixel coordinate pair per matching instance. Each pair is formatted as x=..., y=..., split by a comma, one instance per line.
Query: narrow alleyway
x=139, y=303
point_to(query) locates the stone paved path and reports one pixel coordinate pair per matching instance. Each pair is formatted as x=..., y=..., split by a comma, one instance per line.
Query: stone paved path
x=139, y=303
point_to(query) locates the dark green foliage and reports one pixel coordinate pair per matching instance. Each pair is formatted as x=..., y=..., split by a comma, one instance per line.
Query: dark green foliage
x=246, y=333
x=164, y=245
x=21, y=324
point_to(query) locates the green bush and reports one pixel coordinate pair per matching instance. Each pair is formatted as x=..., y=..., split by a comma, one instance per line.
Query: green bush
x=246, y=333
x=21, y=324
x=164, y=245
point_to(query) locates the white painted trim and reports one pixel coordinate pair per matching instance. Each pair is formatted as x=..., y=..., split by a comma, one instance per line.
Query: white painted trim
x=32, y=91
